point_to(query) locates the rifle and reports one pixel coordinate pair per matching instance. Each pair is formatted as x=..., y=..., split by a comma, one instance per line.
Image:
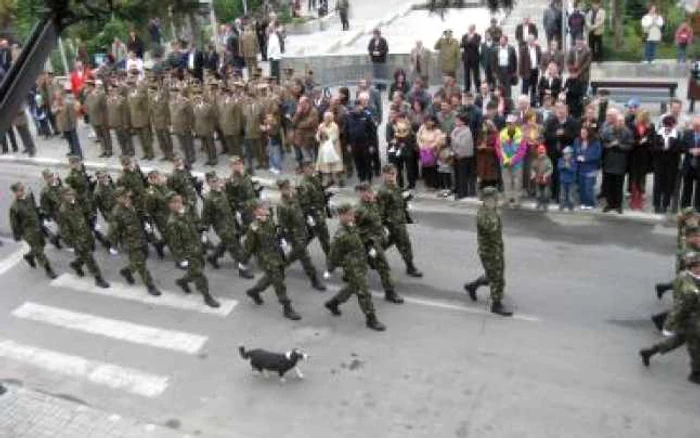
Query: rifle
x=55, y=239
x=198, y=186
x=407, y=197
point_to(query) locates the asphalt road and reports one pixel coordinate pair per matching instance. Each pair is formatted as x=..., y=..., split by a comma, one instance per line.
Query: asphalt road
x=567, y=365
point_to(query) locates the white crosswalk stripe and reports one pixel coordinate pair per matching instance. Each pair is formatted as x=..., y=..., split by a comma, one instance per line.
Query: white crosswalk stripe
x=138, y=293
x=110, y=375
x=112, y=328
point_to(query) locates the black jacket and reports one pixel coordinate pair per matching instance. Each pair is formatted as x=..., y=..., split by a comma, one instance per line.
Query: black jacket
x=555, y=141
x=688, y=142
x=381, y=47
x=532, y=30
x=470, y=48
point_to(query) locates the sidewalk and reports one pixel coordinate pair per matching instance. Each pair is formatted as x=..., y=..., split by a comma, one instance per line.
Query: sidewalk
x=25, y=413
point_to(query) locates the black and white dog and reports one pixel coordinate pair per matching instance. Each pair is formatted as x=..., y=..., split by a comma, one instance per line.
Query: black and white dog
x=263, y=361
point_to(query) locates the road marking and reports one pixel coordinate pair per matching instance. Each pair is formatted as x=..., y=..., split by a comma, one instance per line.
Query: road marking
x=111, y=328
x=10, y=261
x=135, y=293
x=439, y=304
x=100, y=373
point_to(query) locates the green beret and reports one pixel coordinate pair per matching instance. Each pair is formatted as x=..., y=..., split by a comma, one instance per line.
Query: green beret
x=344, y=208
x=16, y=186
x=283, y=183
x=489, y=193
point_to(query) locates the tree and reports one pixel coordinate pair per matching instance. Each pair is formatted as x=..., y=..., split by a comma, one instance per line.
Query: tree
x=8, y=8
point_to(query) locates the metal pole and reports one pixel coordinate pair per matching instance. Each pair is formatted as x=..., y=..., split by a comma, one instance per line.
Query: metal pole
x=64, y=60
x=245, y=7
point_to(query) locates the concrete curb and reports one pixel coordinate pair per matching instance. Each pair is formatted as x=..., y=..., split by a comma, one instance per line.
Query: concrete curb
x=423, y=202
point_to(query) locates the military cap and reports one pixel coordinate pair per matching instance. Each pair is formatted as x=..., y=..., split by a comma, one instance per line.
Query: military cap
x=16, y=186
x=489, y=193
x=344, y=208
x=235, y=159
x=120, y=192
x=74, y=159
x=283, y=183
x=363, y=187
x=125, y=160
x=46, y=173
x=153, y=172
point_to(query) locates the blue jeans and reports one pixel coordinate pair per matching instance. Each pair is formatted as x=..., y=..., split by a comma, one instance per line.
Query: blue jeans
x=586, y=189
x=650, y=50
x=682, y=52
x=565, y=198
x=73, y=143
x=274, y=153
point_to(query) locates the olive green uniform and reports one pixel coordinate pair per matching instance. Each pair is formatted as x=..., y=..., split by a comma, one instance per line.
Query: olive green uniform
x=137, y=100
x=182, y=118
x=26, y=224
x=126, y=230
x=292, y=224
x=159, y=108
x=312, y=198
x=368, y=220
x=261, y=240
x=96, y=103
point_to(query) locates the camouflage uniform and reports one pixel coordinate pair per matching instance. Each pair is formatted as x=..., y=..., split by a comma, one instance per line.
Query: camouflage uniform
x=133, y=181
x=217, y=213
x=313, y=202
x=78, y=181
x=292, y=225
x=685, y=318
x=393, y=210
x=156, y=206
x=126, y=229
x=75, y=229
x=369, y=224
x=50, y=201
x=241, y=195
x=105, y=199
x=26, y=224
x=180, y=182
x=490, y=240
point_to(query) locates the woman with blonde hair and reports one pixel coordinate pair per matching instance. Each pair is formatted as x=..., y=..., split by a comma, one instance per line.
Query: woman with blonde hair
x=640, y=158
x=430, y=140
x=329, y=161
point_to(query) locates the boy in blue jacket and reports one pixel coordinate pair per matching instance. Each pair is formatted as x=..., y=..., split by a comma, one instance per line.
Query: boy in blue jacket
x=567, y=176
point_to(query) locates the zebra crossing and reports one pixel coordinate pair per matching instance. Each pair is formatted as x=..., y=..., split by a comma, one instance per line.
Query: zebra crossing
x=35, y=315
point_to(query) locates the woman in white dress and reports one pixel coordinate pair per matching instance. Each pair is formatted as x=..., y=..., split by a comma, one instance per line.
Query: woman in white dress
x=329, y=161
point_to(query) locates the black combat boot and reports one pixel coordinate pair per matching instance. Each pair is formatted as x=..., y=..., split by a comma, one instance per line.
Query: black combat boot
x=662, y=288
x=214, y=261
x=412, y=271
x=128, y=275
x=694, y=377
x=153, y=290
x=316, y=284
x=333, y=306
x=290, y=313
x=30, y=260
x=254, y=294
x=160, y=249
x=210, y=300
x=183, y=285
x=49, y=272
x=374, y=324
x=499, y=309
x=103, y=240
x=659, y=320
x=244, y=273
x=474, y=285
x=56, y=242
x=647, y=353
x=77, y=268
x=391, y=296
x=100, y=282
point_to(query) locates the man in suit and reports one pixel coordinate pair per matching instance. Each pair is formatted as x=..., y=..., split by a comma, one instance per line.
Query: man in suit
x=524, y=30
x=471, y=42
x=691, y=165
x=504, y=63
x=378, y=48
x=529, y=60
x=578, y=61
x=420, y=61
x=195, y=62
x=5, y=55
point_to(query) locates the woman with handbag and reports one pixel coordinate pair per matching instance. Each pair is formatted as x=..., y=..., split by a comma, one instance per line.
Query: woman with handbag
x=430, y=139
x=329, y=161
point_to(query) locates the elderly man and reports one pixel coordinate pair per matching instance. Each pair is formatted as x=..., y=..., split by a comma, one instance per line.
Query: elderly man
x=528, y=67
x=504, y=64
x=471, y=42
x=420, y=62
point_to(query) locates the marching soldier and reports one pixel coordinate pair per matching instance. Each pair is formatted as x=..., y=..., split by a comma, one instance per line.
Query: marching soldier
x=217, y=213
x=241, y=193
x=75, y=229
x=137, y=100
x=126, y=230
x=184, y=241
x=183, y=123
x=348, y=252
x=156, y=202
x=312, y=198
x=292, y=224
x=26, y=224
x=687, y=216
x=393, y=209
x=490, y=241
x=96, y=104
x=133, y=180
x=180, y=182
x=262, y=241
x=79, y=181
x=105, y=199
x=368, y=220
x=118, y=120
x=230, y=120
x=50, y=202
x=159, y=107
x=204, y=125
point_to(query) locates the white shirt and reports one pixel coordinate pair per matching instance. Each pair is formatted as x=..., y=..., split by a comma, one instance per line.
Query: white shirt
x=503, y=56
x=135, y=63
x=190, y=61
x=532, y=50
x=274, y=51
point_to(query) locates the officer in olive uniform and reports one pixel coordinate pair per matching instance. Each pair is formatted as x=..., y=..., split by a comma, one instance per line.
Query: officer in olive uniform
x=184, y=241
x=126, y=231
x=262, y=241
x=137, y=100
x=105, y=200
x=118, y=120
x=253, y=113
x=368, y=220
x=204, y=124
x=96, y=104
x=392, y=206
x=159, y=108
x=241, y=193
x=182, y=117
x=231, y=121
x=217, y=214
x=312, y=198
x=75, y=229
x=348, y=252
x=292, y=224
x=26, y=224
x=490, y=240
x=249, y=49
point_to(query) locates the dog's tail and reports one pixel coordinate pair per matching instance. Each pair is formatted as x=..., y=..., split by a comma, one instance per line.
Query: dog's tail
x=244, y=354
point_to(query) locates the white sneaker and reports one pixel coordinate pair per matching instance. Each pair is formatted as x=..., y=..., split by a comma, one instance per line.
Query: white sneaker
x=274, y=171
